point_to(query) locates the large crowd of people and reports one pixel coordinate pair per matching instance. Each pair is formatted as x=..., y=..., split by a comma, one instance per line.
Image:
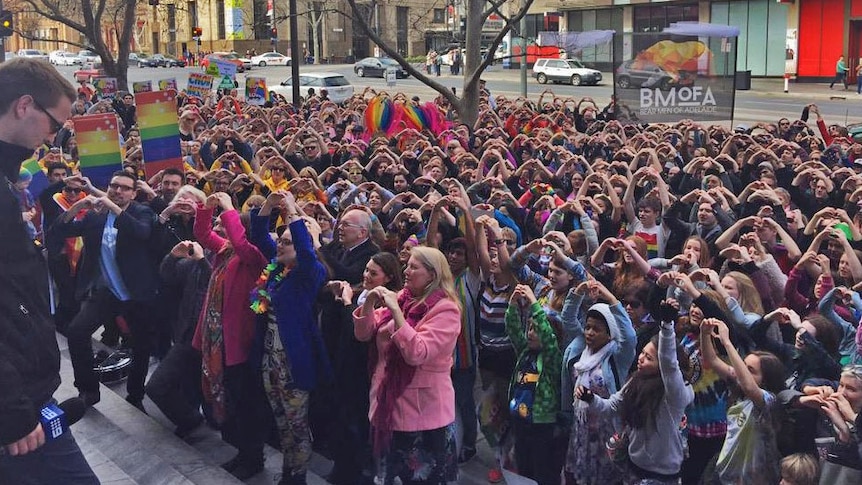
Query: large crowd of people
x=604, y=303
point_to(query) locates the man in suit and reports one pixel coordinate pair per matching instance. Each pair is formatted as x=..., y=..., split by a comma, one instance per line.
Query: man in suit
x=117, y=277
x=34, y=103
x=346, y=257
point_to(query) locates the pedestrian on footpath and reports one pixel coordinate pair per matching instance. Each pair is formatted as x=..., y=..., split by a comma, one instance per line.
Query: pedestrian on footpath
x=859, y=76
x=33, y=105
x=840, y=73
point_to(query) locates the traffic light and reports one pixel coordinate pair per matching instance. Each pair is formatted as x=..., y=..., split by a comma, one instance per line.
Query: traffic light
x=274, y=33
x=6, y=25
x=197, y=32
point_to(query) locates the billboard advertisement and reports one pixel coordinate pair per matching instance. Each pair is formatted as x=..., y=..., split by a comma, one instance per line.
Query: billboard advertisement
x=670, y=77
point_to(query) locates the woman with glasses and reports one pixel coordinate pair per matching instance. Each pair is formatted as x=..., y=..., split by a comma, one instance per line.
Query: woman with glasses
x=293, y=356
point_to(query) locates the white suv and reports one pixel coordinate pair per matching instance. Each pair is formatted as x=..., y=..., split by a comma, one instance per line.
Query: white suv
x=565, y=70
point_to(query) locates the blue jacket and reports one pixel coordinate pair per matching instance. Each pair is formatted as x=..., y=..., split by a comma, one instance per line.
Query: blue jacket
x=293, y=301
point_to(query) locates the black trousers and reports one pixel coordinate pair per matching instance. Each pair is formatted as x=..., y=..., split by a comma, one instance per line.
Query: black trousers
x=249, y=417
x=532, y=455
x=175, y=386
x=102, y=307
x=700, y=452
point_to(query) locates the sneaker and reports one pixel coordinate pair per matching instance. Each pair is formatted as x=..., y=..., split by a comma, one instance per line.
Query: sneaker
x=495, y=475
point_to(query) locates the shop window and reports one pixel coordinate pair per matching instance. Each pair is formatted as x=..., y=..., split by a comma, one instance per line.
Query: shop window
x=439, y=16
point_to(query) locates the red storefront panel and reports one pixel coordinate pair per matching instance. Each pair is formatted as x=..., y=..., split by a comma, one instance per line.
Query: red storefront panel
x=856, y=8
x=821, y=36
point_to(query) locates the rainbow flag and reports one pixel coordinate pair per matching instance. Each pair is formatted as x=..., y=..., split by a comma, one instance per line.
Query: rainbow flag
x=160, y=131
x=98, y=147
x=40, y=179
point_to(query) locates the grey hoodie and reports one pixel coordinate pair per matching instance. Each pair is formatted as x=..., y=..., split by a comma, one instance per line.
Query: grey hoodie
x=659, y=450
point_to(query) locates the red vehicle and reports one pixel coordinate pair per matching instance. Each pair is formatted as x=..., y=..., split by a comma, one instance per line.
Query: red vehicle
x=90, y=71
x=224, y=56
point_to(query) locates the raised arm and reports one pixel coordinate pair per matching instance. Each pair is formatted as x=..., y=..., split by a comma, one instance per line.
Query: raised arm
x=738, y=368
x=675, y=387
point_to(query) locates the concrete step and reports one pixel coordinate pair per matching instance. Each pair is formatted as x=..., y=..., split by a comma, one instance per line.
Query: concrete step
x=125, y=446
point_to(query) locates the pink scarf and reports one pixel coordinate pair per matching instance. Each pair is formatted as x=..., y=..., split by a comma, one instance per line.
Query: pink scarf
x=399, y=374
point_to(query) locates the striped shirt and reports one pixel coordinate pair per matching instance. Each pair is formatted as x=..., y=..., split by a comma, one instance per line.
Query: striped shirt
x=493, y=302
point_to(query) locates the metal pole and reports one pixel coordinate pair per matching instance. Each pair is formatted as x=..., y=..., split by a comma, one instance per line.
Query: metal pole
x=2, y=41
x=294, y=51
x=523, y=27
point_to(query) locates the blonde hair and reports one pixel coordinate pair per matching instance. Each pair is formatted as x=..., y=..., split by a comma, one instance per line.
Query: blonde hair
x=436, y=262
x=800, y=469
x=311, y=174
x=193, y=192
x=749, y=298
x=255, y=200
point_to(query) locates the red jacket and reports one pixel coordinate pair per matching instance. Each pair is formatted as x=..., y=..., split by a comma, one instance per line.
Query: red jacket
x=243, y=270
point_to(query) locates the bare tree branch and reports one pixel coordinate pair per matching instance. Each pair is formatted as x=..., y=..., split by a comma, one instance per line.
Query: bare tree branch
x=509, y=26
x=393, y=53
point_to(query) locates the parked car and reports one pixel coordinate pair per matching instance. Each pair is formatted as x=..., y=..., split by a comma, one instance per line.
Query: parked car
x=240, y=67
x=146, y=61
x=88, y=56
x=338, y=87
x=270, y=59
x=246, y=62
x=89, y=71
x=565, y=70
x=164, y=60
x=640, y=73
x=63, y=58
x=33, y=54
x=377, y=67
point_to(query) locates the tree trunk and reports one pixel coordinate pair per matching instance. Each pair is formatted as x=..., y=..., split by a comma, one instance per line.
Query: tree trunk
x=469, y=109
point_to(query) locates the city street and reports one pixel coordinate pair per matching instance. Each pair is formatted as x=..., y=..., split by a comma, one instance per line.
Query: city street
x=765, y=102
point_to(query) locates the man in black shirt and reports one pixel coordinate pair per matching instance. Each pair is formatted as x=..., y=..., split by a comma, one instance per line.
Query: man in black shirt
x=34, y=103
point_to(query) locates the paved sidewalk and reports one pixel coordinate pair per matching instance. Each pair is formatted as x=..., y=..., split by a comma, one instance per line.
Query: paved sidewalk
x=760, y=86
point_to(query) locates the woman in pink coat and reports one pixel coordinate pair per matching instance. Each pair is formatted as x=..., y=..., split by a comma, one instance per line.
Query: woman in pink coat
x=412, y=409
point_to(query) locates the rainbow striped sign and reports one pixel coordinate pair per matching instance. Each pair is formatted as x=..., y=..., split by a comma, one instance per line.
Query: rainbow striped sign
x=160, y=131
x=40, y=180
x=98, y=147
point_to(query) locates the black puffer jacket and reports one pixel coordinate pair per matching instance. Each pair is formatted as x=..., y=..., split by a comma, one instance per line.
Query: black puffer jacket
x=29, y=356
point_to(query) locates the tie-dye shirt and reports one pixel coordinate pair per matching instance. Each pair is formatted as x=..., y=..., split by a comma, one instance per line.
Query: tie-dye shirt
x=750, y=452
x=707, y=414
